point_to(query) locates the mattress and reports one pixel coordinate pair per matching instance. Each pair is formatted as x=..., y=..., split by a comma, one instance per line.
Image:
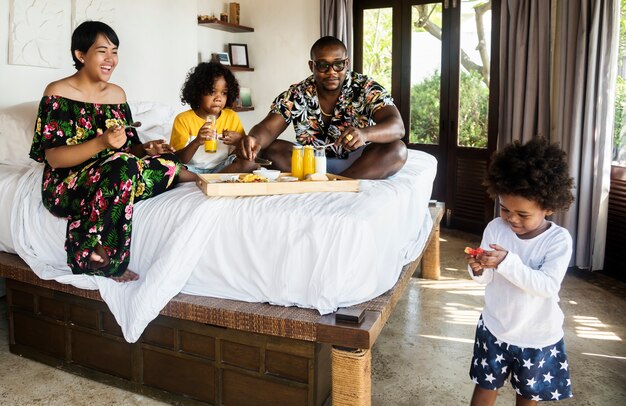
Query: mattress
x=9, y=176
x=314, y=250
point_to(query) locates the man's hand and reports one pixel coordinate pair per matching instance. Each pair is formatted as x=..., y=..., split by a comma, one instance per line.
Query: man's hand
x=249, y=147
x=352, y=138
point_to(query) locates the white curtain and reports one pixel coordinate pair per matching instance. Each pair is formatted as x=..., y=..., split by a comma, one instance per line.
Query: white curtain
x=583, y=93
x=336, y=20
x=559, y=63
x=525, y=70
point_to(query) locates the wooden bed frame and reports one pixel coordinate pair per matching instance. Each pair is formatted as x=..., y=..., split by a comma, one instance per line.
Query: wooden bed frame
x=207, y=350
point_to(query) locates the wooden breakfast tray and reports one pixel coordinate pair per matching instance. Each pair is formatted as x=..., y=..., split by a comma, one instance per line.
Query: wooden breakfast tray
x=211, y=185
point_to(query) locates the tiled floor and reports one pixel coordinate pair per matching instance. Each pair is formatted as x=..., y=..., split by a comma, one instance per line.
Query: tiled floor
x=423, y=353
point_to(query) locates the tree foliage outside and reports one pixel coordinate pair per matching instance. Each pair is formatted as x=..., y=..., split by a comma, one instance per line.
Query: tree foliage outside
x=473, y=109
x=377, y=29
x=619, y=125
x=425, y=106
x=425, y=95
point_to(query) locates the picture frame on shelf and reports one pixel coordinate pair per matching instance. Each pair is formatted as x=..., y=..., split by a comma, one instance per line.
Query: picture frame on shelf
x=245, y=97
x=238, y=55
x=221, y=57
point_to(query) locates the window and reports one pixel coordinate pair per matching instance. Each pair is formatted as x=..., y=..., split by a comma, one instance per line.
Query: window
x=439, y=60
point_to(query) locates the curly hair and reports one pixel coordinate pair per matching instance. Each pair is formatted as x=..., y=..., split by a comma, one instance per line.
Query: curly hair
x=536, y=170
x=200, y=81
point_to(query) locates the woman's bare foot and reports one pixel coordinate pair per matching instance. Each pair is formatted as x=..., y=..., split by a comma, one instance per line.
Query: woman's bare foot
x=127, y=276
x=98, y=258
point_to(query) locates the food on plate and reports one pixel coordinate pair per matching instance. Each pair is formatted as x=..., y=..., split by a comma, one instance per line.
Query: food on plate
x=252, y=178
x=316, y=176
x=474, y=251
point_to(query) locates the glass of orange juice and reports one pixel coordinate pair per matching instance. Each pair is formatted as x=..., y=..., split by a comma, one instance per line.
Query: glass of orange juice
x=297, y=162
x=210, y=145
x=309, y=160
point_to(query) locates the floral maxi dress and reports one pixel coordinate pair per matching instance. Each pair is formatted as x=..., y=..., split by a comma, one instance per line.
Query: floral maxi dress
x=96, y=196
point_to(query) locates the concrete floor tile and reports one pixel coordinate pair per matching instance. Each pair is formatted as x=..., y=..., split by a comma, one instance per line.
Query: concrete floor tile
x=422, y=355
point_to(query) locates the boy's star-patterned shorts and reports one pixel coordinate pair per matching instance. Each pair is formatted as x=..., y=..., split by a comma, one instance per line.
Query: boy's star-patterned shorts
x=536, y=373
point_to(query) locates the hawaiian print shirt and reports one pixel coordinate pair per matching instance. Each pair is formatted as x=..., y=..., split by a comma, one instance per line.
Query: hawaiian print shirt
x=360, y=98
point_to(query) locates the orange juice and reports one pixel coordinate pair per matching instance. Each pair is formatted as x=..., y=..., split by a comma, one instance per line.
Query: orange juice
x=309, y=160
x=211, y=145
x=297, y=162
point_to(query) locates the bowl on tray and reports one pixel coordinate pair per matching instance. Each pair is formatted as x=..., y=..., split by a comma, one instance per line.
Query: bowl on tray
x=270, y=174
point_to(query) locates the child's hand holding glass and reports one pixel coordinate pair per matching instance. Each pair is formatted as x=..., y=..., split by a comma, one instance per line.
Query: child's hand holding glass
x=206, y=134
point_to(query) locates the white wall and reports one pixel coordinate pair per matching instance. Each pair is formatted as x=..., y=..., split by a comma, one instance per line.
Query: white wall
x=278, y=49
x=157, y=43
x=160, y=41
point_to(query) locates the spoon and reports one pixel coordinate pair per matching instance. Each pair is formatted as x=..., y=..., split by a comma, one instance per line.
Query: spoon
x=262, y=161
x=135, y=124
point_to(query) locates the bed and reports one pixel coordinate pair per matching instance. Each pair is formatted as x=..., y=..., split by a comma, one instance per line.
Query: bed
x=236, y=297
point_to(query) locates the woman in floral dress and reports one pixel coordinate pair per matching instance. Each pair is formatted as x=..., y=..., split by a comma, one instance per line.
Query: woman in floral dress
x=93, y=171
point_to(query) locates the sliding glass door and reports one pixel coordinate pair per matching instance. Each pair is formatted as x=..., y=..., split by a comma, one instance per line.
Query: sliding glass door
x=436, y=58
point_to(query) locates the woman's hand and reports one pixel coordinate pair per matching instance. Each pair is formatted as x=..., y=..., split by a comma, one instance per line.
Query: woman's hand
x=352, y=138
x=231, y=137
x=157, y=147
x=114, y=137
x=67, y=156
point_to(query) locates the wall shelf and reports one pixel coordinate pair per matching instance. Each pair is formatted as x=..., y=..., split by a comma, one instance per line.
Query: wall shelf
x=240, y=68
x=224, y=26
x=243, y=109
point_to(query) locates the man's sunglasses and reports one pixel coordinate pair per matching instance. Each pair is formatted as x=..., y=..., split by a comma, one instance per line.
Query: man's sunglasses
x=323, y=66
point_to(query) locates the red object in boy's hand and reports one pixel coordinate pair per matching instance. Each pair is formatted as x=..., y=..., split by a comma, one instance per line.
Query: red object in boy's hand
x=474, y=251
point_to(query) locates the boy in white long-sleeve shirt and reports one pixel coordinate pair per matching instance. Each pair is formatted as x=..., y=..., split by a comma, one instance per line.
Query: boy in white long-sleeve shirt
x=520, y=331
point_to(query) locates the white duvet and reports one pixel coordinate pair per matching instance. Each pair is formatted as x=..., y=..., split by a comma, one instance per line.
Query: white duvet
x=316, y=250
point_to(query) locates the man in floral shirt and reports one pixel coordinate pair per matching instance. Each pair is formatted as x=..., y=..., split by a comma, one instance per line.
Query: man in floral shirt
x=338, y=106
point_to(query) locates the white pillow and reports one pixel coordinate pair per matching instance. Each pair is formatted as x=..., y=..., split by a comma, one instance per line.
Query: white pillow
x=17, y=126
x=156, y=119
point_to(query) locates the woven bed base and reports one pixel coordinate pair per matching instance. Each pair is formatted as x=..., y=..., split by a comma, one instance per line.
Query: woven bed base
x=235, y=345
x=351, y=372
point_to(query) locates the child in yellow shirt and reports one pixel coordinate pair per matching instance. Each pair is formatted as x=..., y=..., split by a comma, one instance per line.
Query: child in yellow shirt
x=210, y=89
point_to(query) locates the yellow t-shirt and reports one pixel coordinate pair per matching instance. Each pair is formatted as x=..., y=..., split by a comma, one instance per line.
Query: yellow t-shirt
x=187, y=125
